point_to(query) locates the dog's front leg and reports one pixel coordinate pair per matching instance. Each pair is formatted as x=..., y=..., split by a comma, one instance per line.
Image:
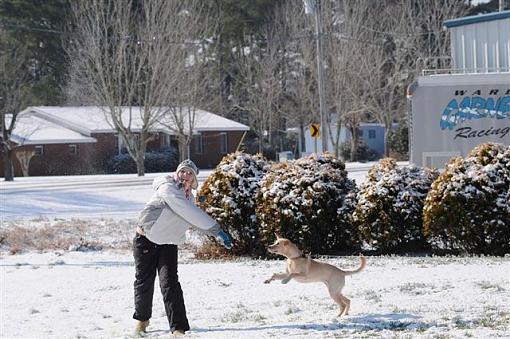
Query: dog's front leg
x=292, y=275
x=276, y=276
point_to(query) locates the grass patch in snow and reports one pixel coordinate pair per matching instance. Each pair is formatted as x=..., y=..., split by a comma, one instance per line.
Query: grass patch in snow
x=258, y=317
x=372, y=296
x=234, y=317
x=494, y=320
x=241, y=314
x=42, y=234
x=461, y=324
x=487, y=285
x=291, y=310
x=415, y=288
x=277, y=303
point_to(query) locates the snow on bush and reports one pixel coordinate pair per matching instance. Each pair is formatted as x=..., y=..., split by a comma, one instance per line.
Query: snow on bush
x=309, y=201
x=229, y=197
x=390, y=206
x=467, y=209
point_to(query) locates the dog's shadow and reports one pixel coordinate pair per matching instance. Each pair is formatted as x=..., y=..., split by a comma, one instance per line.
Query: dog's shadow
x=367, y=322
x=385, y=321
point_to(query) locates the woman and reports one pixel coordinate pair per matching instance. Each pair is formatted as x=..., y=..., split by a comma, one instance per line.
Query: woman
x=161, y=227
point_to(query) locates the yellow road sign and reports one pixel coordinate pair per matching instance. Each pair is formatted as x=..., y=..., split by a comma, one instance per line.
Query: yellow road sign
x=315, y=130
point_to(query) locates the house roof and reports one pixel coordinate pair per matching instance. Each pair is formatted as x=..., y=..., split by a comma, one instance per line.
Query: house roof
x=76, y=124
x=468, y=20
x=92, y=119
x=32, y=130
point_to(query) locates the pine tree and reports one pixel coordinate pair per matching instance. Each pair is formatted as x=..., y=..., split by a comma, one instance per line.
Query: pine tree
x=40, y=26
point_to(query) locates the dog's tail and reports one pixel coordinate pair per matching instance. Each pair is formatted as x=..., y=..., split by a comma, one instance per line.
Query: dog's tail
x=363, y=263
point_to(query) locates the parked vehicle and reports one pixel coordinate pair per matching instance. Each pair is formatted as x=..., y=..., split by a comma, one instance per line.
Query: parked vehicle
x=455, y=108
x=451, y=114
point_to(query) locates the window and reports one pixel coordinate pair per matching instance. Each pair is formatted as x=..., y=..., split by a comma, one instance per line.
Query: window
x=198, y=143
x=119, y=143
x=223, y=143
x=39, y=150
x=371, y=133
x=73, y=149
x=122, y=147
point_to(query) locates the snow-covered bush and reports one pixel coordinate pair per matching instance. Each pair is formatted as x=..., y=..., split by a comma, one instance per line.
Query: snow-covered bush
x=309, y=201
x=229, y=197
x=390, y=206
x=467, y=209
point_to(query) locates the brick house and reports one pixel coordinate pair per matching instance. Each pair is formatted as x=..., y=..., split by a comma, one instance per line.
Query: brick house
x=80, y=140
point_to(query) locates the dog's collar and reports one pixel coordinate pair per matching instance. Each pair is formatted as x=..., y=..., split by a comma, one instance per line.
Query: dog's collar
x=299, y=256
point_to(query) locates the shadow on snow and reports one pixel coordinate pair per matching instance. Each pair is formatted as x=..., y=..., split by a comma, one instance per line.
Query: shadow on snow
x=387, y=321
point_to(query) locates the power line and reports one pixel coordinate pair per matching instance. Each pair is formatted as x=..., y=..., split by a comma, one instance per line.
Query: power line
x=17, y=27
x=397, y=34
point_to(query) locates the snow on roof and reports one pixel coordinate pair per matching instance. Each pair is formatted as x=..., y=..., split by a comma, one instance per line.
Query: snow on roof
x=92, y=119
x=207, y=121
x=33, y=130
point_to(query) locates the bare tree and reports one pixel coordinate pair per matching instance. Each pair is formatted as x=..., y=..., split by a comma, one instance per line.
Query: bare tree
x=403, y=32
x=14, y=85
x=260, y=81
x=424, y=22
x=388, y=66
x=108, y=60
x=300, y=104
x=129, y=57
x=24, y=156
x=346, y=46
x=192, y=74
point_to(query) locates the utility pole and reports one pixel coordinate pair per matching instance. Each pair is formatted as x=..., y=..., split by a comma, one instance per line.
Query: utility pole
x=315, y=7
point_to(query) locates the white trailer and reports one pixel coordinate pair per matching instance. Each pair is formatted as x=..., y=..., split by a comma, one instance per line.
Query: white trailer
x=454, y=109
x=451, y=114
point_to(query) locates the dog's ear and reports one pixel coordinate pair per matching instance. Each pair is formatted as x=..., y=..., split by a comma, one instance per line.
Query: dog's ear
x=277, y=236
x=285, y=242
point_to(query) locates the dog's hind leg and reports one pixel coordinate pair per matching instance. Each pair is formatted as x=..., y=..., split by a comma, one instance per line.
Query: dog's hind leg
x=333, y=293
x=346, y=302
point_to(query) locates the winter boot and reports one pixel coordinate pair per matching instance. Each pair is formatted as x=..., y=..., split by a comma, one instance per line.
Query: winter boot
x=140, y=327
x=177, y=333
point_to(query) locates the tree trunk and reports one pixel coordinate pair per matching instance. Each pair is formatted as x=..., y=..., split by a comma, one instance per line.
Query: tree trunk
x=336, y=140
x=302, y=140
x=140, y=166
x=354, y=144
x=184, y=149
x=24, y=157
x=8, y=167
x=261, y=141
x=387, y=132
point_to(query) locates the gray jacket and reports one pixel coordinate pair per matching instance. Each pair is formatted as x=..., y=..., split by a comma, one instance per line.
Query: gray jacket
x=168, y=214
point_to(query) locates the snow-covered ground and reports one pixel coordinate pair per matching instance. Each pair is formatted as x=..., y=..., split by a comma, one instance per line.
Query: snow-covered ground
x=91, y=196
x=88, y=294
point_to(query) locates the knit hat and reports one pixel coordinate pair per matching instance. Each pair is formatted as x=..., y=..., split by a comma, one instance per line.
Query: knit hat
x=189, y=165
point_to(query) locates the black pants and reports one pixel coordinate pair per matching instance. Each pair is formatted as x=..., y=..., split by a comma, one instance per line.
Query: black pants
x=149, y=259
